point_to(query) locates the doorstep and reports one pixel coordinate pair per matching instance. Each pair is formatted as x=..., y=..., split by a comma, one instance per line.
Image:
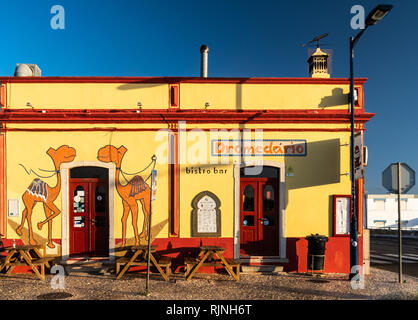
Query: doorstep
x=87, y=260
x=264, y=269
x=262, y=260
x=262, y=264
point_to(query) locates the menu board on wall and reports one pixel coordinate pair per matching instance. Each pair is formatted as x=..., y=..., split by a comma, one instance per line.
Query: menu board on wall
x=206, y=215
x=342, y=211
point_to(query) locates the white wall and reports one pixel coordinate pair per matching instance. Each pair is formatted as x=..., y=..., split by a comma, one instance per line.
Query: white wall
x=388, y=215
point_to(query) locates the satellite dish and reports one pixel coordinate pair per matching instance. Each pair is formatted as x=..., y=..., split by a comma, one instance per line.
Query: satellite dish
x=316, y=39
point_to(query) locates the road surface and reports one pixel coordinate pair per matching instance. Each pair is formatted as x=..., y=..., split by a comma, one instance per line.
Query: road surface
x=384, y=254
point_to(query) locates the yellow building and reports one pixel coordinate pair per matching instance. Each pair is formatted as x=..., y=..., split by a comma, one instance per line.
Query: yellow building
x=252, y=164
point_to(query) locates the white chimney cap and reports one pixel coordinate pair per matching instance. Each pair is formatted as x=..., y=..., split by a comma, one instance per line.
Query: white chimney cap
x=27, y=70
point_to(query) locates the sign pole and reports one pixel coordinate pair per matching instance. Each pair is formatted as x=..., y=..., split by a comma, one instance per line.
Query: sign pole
x=153, y=174
x=353, y=214
x=399, y=223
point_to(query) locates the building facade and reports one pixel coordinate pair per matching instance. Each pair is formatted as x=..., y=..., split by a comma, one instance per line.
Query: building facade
x=382, y=211
x=252, y=164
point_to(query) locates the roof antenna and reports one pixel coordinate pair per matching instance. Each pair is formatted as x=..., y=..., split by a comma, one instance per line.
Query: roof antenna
x=316, y=39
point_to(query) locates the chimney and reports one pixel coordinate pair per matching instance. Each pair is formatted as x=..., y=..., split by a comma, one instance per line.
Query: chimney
x=27, y=70
x=204, y=61
x=318, y=64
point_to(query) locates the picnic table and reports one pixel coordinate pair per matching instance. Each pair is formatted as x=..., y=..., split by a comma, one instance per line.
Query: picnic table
x=138, y=256
x=211, y=256
x=26, y=255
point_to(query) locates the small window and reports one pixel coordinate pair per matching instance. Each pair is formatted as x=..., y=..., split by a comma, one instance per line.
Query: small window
x=79, y=196
x=248, y=198
x=248, y=221
x=100, y=199
x=379, y=223
x=404, y=223
x=380, y=204
x=268, y=220
x=403, y=204
x=268, y=198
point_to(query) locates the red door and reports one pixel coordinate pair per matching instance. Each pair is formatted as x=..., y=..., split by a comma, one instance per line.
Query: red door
x=89, y=223
x=259, y=230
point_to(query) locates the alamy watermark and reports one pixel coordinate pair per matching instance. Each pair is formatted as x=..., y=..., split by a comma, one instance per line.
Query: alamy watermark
x=357, y=282
x=58, y=20
x=58, y=281
x=357, y=21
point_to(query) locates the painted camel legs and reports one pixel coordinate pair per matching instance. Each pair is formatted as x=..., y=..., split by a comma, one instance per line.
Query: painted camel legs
x=131, y=205
x=51, y=211
x=27, y=215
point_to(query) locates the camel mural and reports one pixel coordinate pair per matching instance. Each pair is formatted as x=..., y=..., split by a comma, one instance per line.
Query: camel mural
x=40, y=191
x=135, y=189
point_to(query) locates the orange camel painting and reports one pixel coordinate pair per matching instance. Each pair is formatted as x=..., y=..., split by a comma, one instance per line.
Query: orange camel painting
x=135, y=189
x=40, y=191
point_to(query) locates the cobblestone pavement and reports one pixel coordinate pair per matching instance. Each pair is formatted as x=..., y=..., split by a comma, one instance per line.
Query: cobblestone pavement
x=381, y=284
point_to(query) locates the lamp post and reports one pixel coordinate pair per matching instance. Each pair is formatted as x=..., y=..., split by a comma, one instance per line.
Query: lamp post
x=374, y=17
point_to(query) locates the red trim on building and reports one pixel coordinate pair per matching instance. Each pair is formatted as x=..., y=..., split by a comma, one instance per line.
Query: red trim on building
x=172, y=80
x=174, y=96
x=2, y=186
x=191, y=116
x=337, y=255
x=174, y=186
x=2, y=95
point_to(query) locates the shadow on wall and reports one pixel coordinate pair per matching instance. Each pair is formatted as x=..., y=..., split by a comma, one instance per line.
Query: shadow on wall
x=321, y=166
x=337, y=98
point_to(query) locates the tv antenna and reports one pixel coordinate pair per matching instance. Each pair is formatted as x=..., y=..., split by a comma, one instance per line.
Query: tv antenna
x=316, y=39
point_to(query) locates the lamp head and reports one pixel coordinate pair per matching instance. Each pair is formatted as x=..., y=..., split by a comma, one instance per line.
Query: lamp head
x=378, y=14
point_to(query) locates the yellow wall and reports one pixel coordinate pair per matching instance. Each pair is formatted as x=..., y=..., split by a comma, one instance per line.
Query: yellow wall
x=192, y=96
x=318, y=175
x=308, y=204
x=30, y=149
x=87, y=95
x=263, y=96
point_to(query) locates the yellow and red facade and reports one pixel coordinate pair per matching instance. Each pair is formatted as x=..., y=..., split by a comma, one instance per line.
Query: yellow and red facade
x=194, y=127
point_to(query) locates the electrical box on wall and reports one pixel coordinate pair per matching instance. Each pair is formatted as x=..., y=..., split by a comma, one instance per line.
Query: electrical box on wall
x=13, y=206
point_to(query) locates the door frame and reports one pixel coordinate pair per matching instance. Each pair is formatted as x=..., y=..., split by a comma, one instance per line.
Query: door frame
x=65, y=196
x=282, y=212
x=90, y=209
x=259, y=207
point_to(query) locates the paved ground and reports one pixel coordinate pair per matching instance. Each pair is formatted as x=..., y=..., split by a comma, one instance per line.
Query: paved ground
x=384, y=254
x=381, y=284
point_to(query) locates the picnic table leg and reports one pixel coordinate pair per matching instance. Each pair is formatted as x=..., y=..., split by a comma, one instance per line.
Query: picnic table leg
x=42, y=256
x=7, y=261
x=126, y=267
x=9, y=270
x=159, y=268
x=193, y=271
x=228, y=267
x=29, y=262
x=43, y=270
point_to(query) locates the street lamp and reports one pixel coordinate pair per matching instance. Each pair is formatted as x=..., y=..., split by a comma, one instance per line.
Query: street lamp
x=374, y=17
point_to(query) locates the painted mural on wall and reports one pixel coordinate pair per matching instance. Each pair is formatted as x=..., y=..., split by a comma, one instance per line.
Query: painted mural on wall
x=134, y=190
x=40, y=191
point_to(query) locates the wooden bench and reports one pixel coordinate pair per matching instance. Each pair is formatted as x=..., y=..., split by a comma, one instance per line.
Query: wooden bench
x=190, y=263
x=42, y=262
x=163, y=262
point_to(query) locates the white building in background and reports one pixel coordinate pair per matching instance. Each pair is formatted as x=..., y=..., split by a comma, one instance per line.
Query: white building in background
x=382, y=211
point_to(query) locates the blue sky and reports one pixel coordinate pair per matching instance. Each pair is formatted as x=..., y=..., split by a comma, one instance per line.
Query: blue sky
x=246, y=39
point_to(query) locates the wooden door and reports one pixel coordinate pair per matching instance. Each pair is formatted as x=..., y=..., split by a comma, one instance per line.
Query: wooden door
x=99, y=222
x=89, y=223
x=259, y=230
